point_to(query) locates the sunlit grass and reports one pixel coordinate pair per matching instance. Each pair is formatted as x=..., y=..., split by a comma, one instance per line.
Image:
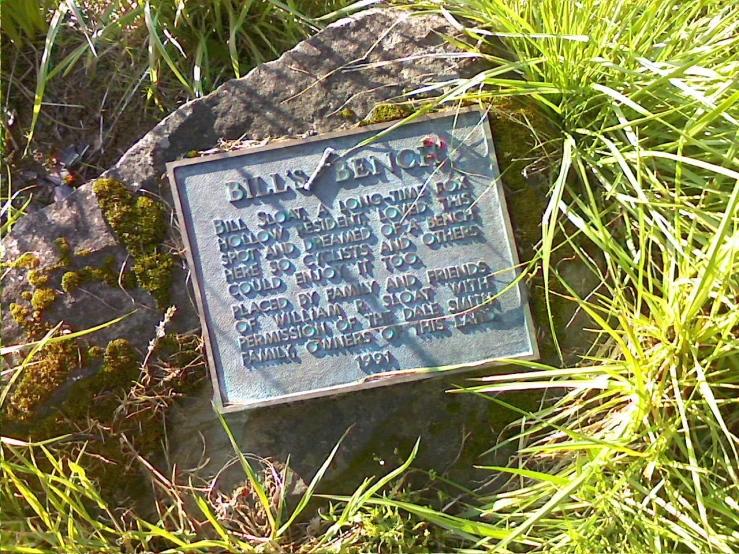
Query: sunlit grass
x=183, y=49
x=49, y=503
x=641, y=453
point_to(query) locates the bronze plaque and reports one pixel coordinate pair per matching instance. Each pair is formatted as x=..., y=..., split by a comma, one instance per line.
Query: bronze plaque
x=352, y=260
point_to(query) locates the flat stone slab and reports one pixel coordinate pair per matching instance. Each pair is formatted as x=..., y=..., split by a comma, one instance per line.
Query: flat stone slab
x=352, y=66
x=352, y=260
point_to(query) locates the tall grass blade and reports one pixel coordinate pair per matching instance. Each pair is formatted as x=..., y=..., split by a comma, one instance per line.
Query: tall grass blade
x=310, y=491
x=43, y=70
x=254, y=481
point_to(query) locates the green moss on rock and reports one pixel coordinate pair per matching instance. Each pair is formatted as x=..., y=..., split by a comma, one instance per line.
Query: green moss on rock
x=37, y=278
x=119, y=369
x=120, y=365
x=152, y=222
x=386, y=112
x=140, y=223
x=71, y=281
x=96, y=352
x=107, y=273
x=119, y=208
x=65, y=251
x=26, y=261
x=43, y=298
x=19, y=313
x=154, y=274
x=50, y=368
x=29, y=320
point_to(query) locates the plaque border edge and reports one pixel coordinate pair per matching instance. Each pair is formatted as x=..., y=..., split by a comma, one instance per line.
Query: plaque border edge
x=400, y=376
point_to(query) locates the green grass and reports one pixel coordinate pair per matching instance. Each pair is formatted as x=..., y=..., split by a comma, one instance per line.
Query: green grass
x=640, y=454
x=49, y=502
x=181, y=50
x=638, y=451
x=24, y=19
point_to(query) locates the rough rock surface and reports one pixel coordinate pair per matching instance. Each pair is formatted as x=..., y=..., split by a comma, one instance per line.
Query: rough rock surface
x=79, y=221
x=354, y=64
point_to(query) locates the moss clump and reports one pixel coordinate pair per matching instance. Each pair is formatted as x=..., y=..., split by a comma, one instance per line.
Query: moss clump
x=107, y=273
x=20, y=314
x=119, y=208
x=152, y=222
x=154, y=273
x=348, y=113
x=37, y=278
x=140, y=223
x=28, y=320
x=71, y=281
x=65, y=251
x=27, y=295
x=120, y=365
x=120, y=368
x=26, y=261
x=43, y=298
x=386, y=112
x=96, y=352
x=50, y=368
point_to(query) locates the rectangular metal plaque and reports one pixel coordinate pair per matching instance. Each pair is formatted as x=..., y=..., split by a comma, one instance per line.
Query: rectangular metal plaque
x=397, y=256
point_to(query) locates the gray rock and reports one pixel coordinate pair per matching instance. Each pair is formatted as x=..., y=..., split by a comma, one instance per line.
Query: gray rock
x=62, y=191
x=354, y=64
x=78, y=220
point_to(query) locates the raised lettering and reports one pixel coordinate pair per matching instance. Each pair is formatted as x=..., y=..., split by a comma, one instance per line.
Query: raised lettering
x=235, y=191
x=343, y=173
